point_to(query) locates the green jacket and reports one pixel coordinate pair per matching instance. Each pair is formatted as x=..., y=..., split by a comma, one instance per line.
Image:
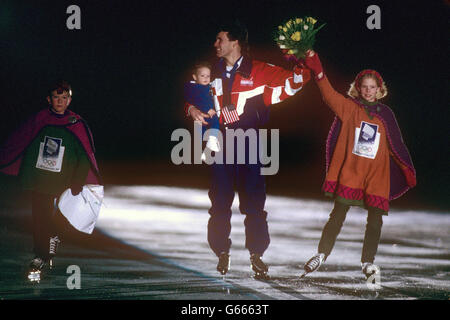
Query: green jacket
x=53, y=162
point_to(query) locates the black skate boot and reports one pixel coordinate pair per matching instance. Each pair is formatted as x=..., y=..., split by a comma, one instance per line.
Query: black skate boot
x=53, y=247
x=35, y=269
x=259, y=267
x=224, y=263
x=313, y=264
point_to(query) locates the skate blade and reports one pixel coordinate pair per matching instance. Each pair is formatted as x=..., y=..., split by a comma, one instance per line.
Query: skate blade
x=223, y=272
x=303, y=274
x=261, y=276
x=34, y=276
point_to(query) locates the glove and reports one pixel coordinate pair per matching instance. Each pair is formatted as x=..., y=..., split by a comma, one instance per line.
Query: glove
x=76, y=188
x=312, y=61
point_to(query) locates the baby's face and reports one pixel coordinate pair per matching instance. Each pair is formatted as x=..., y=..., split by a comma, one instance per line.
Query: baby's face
x=202, y=76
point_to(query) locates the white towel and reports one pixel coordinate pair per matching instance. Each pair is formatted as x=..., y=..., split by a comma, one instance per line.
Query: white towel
x=82, y=210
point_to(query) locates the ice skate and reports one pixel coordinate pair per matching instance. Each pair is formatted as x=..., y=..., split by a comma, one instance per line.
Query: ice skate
x=224, y=263
x=54, y=243
x=35, y=269
x=313, y=264
x=369, y=269
x=259, y=267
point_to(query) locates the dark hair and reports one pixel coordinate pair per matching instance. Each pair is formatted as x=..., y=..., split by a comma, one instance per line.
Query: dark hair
x=236, y=31
x=201, y=64
x=60, y=86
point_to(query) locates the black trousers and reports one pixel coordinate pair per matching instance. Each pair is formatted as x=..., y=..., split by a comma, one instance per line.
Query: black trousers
x=46, y=222
x=334, y=225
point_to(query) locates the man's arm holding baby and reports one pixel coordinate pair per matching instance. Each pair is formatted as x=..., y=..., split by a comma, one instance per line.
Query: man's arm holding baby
x=196, y=114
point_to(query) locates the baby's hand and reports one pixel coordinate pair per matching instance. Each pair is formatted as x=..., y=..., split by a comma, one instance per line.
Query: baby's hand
x=211, y=112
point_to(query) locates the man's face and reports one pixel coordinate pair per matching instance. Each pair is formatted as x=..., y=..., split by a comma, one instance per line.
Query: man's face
x=225, y=47
x=59, y=101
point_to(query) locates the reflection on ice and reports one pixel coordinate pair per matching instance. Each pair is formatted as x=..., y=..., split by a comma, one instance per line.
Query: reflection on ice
x=171, y=222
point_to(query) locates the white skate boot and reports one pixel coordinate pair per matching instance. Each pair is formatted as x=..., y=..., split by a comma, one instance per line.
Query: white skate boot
x=313, y=264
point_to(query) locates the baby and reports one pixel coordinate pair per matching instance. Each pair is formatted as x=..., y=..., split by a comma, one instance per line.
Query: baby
x=198, y=93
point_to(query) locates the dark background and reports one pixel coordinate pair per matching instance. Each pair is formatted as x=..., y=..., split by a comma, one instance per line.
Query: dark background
x=128, y=62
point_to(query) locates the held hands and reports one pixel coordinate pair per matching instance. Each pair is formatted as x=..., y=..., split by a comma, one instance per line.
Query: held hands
x=292, y=58
x=312, y=61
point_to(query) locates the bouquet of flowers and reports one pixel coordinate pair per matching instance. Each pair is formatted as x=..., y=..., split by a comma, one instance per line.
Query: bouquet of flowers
x=297, y=36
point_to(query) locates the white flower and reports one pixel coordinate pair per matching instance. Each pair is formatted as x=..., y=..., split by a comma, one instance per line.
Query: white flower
x=305, y=27
x=282, y=46
x=281, y=37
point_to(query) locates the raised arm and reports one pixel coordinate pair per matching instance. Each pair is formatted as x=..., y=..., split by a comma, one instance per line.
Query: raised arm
x=336, y=101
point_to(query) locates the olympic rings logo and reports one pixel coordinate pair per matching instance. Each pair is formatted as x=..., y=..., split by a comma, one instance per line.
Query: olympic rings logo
x=365, y=149
x=48, y=162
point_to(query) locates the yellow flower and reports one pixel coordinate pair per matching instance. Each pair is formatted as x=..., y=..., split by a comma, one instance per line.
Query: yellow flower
x=311, y=20
x=285, y=29
x=280, y=27
x=296, y=36
x=292, y=51
x=288, y=24
x=299, y=20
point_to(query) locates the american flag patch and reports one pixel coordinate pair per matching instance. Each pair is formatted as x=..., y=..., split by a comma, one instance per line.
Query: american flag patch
x=230, y=114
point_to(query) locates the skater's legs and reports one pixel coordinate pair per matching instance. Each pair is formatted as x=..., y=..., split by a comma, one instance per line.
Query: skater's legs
x=61, y=224
x=372, y=235
x=332, y=228
x=221, y=194
x=42, y=209
x=252, y=198
x=219, y=228
x=257, y=237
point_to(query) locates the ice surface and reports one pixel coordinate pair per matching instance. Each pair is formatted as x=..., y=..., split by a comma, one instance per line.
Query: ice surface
x=171, y=222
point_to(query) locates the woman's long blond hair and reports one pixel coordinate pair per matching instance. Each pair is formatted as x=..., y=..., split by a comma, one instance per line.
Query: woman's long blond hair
x=355, y=87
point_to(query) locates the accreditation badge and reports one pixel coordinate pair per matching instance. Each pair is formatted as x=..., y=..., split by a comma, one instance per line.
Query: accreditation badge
x=367, y=140
x=51, y=154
